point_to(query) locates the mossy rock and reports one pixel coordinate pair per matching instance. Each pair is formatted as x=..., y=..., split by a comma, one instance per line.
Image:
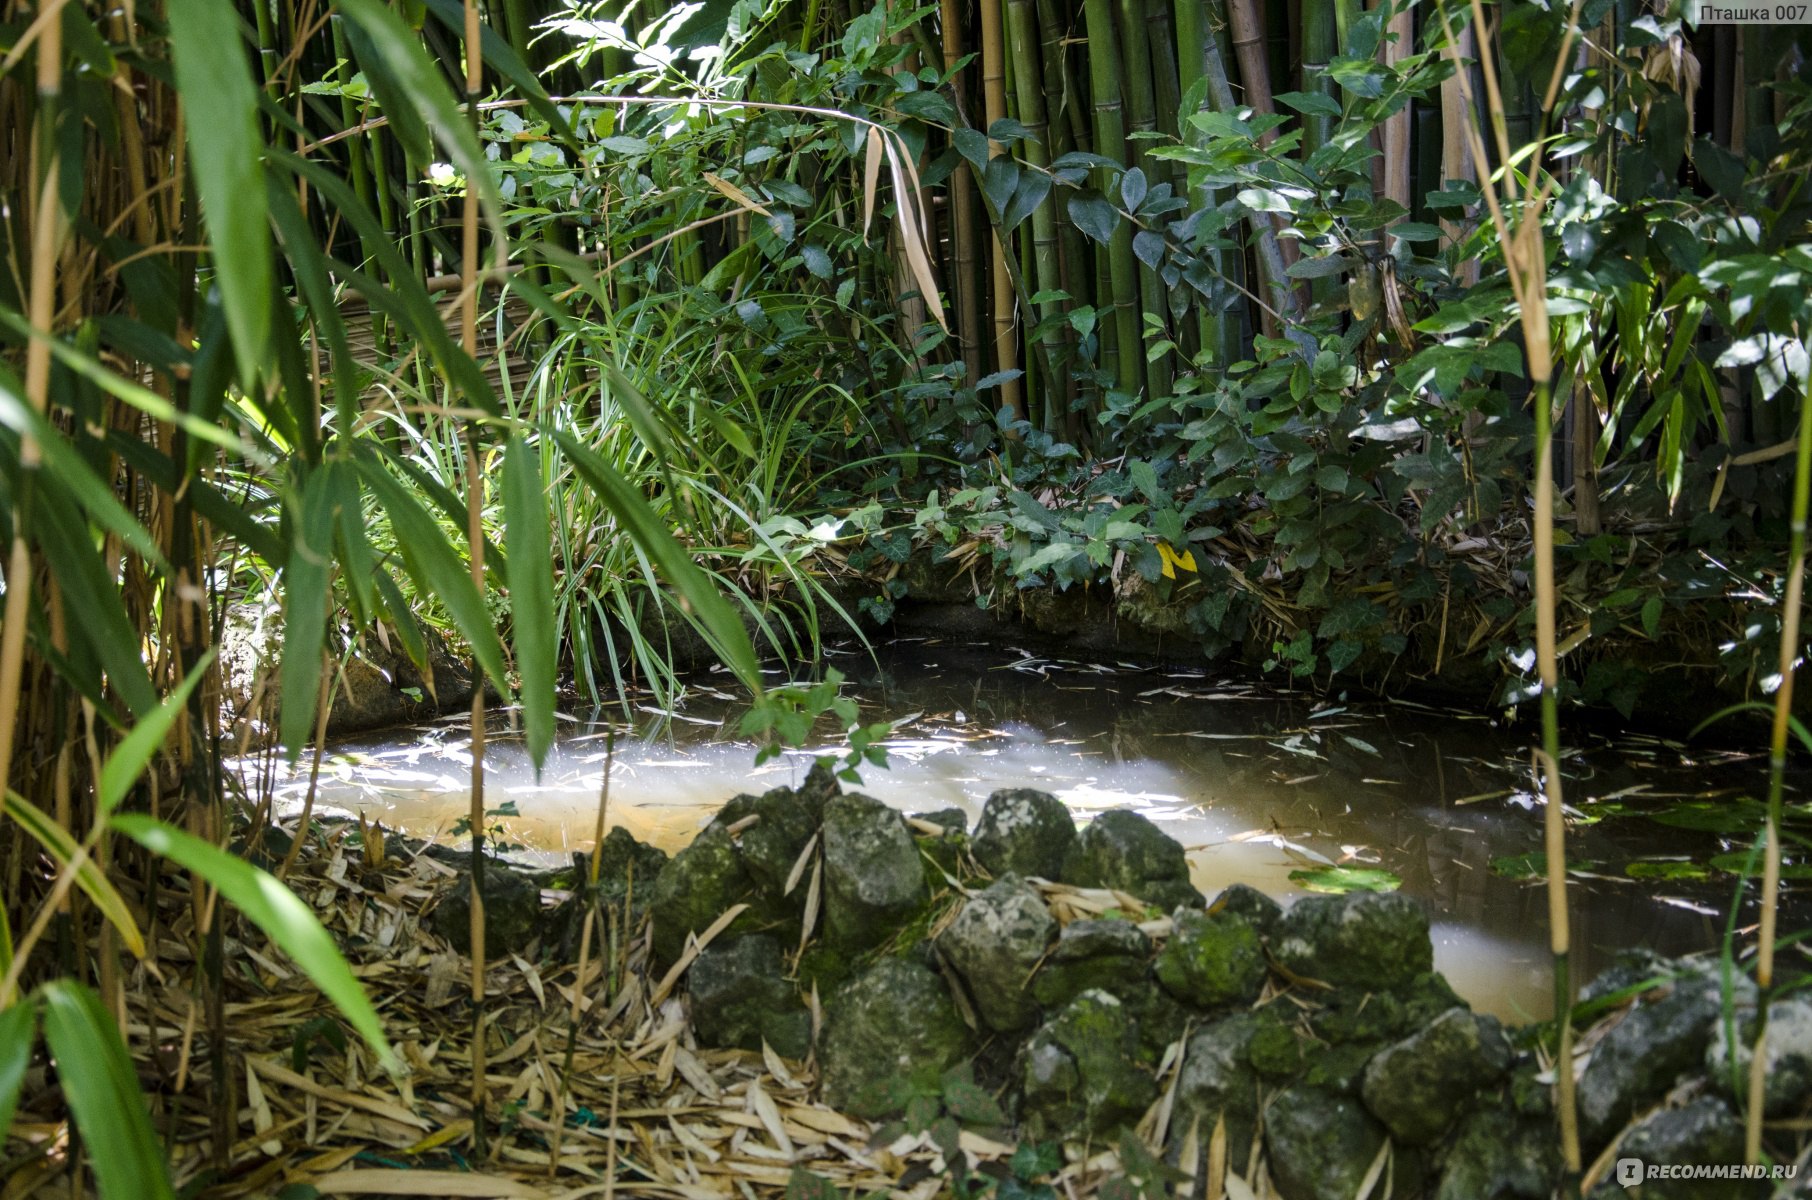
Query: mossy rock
x=1363, y=940
x=1244, y=900
x=512, y=911
x=627, y=870
x=1320, y=1143
x=1212, y=961
x=995, y=943
x=874, y=879
x=1108, y=953
x=699, y=885
x=740, y=998
x=891, y=1029
x=1126, y=851
x=1024, y=832
x=1418, y=1086
x=1081, y=1073
x=1218, y=1083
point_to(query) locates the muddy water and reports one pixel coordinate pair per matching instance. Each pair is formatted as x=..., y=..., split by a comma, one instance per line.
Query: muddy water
x=1258, y=784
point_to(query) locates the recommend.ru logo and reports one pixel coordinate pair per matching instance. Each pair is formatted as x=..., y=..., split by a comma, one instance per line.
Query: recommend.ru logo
x=1632, y=1172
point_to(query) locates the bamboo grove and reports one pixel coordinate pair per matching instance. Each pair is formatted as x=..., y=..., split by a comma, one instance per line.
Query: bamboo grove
x=432, y=323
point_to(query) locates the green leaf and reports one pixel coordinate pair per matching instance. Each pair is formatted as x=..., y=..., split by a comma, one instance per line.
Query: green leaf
x=436, y=569
x=100, y=1085
x=226, y=160
x=127, y=762
x=1338, y=880
x=533, y=624
x=61, y=846
x=18, y=1027
x=1093, y=215
x=307, y=581
x=283, y=917
x=708, y=608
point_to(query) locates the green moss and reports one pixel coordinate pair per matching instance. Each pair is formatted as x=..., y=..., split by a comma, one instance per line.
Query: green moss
x=1276, y=1050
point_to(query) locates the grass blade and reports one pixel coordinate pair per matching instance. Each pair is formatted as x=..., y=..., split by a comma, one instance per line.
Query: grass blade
x=707, y=606
x=306, y=594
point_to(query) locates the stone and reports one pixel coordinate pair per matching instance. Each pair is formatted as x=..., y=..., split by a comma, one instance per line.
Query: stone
x=1501, y=1155
x=1418, y=1086
x=1123, y=850
x=893, y=1025
x=1362, y=939
x=627, y=870
x=1662, y=1037
x=1024, y=832
x=1211, y=961
x=1320, y=1144
x=1787, y=1069
x=874, y=879
x=1703, y=1131
x=740, y=998
x=1108, y=953
x=1262, y=912
x=1082, y=1074
x=1217, y=1083
x=696, y=887
x=785, y=821
x=995, y=943
x=512, y=911
x=952, y=820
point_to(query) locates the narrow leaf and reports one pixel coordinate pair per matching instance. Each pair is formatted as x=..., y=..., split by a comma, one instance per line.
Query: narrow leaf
x=101, y=1087
x=531, y=579
x=283, y=917
x=226, y=154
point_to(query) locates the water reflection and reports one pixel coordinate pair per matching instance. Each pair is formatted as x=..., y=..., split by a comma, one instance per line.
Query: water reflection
x=1256, y=783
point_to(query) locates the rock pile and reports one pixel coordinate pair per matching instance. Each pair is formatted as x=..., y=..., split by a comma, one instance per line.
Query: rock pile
x=1081, y=978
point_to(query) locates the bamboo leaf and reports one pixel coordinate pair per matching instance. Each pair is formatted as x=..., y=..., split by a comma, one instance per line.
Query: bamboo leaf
x=18, y=1027
x=101, y=1087
x=127, y=762
x=72, y=470
x=61, y=846
x=226, y=152
x=706, y=604
x=871, y=177
x=276, y=910
x=436, y=569
x=307, y=583
x=531, y=580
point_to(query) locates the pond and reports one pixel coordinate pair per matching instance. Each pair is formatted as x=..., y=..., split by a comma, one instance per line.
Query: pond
x=1287, y=791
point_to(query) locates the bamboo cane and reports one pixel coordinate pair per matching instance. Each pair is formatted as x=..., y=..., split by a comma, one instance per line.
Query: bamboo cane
x=1023, y=45
x=994, y=101
x=1319, y=31
x=1777, y=771
x=1525, y=260
x=962, y=202
x=1120, y=342
x=1399, y=38
x=468, y=334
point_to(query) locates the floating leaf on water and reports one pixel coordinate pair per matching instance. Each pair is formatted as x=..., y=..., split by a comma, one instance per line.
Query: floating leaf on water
x=1734, y=816
x=1735, y=860
x=1534, y=865
x=1338, y=880
x=1665, y=869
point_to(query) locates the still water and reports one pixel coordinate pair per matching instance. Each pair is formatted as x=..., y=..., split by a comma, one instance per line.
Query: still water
x=1259, y=784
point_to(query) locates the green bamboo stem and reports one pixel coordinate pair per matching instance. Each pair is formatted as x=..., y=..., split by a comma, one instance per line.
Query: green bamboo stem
x=1777, y=773
x=1319, y=31
x=1023, y=46
x=1120, y=347
x=962, y=206
x=994, y=102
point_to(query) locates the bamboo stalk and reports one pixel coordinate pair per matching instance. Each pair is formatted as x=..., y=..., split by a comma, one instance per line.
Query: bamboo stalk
x=1399, y=38
x=1525, y=260
x=994, y=101
x=962, y=204
x=1319, y=31
x=1022, y=44
x=1121, y=350
x=47, y=236
x=468, y=333
x=1777, y=771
